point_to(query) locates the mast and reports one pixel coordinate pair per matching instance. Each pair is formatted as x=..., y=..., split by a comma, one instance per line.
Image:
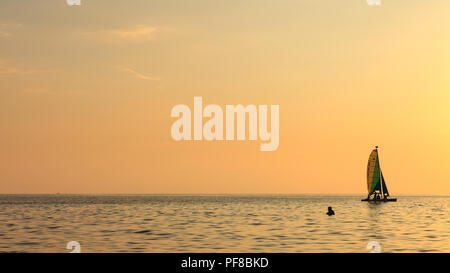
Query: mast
x=379, y=169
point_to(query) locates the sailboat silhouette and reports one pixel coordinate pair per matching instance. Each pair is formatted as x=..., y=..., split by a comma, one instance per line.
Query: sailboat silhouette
x=376, y=185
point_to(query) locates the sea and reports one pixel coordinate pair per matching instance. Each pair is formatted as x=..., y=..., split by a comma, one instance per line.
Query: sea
x=222, y=223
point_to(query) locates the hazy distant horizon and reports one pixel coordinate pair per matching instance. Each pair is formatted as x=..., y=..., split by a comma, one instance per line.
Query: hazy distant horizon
x=230, y=194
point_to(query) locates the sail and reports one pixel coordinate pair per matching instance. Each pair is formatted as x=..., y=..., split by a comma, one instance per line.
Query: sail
x=385, y=190
x=373, y=173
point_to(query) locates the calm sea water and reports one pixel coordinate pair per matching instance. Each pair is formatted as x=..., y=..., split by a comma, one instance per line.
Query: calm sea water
x=230, y=223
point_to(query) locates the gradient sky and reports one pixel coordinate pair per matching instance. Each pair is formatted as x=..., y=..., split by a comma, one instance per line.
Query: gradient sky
x=86, y=94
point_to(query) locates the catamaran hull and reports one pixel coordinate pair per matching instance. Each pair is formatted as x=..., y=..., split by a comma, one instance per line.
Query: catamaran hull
x=379, y=200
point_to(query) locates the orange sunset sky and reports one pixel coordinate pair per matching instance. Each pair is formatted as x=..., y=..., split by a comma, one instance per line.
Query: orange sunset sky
x=86, y=94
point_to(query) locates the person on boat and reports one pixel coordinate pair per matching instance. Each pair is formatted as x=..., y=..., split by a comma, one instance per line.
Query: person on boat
x=330, y=211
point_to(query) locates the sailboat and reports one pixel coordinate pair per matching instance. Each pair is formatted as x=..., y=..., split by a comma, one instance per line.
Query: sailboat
x=376, y=185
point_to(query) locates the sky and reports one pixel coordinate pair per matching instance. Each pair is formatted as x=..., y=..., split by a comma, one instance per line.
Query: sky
x=86, y=94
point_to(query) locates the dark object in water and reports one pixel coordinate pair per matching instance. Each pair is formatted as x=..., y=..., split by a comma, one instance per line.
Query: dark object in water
x=330, y=211
x=376, y=185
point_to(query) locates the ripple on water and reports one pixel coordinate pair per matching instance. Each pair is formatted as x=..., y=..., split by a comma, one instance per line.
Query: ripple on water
x=145, y=231
x=28, y=243
x=166, y=234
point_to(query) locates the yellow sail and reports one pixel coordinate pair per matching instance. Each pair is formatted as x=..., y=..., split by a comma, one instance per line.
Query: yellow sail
x=373, y=172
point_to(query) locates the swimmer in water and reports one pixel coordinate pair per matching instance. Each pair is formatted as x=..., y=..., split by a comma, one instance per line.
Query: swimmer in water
x=330, y=211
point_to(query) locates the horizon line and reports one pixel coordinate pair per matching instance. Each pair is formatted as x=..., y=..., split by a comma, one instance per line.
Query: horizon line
x=220, y=194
